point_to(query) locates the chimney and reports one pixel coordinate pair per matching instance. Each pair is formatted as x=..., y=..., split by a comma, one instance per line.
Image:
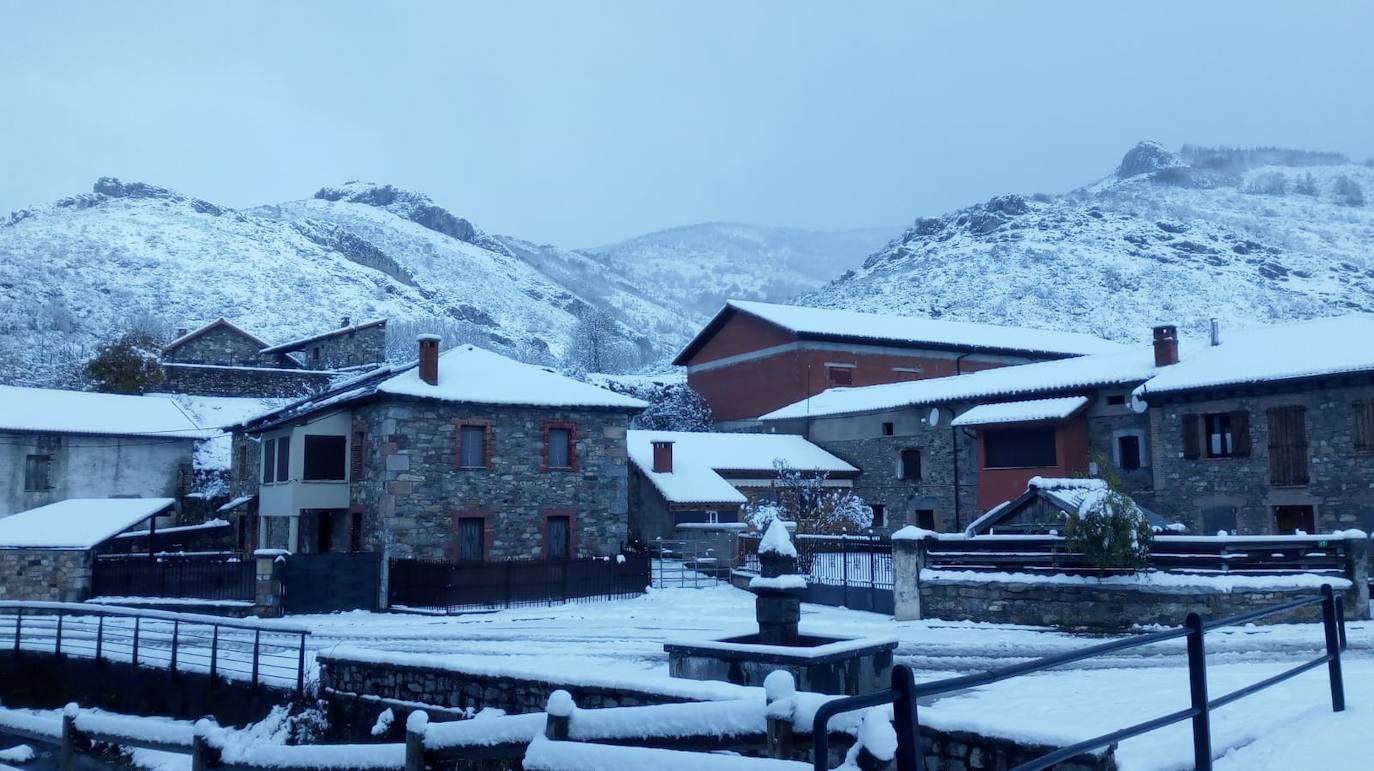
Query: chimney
x=663, y=457
x=343, y=322
x=1166, y=345
x=1216, y=332
x=429, y=358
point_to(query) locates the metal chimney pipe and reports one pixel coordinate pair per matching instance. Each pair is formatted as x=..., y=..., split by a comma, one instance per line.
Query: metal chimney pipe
x=1216, y=332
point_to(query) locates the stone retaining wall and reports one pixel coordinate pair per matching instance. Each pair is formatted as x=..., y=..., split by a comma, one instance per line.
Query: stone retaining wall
x=45, y=575
x=208, y=380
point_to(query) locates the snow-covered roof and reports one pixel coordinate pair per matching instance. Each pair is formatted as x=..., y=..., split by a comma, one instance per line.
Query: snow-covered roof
x=471, y=374
x=220, y=322
x=83, y=412
x=1083, y=372
x=294, y=345
x=1291, y=351
x=699, y=456
x=466, y=374
x=77, y=523
x=1021, y=412
x=904, y=330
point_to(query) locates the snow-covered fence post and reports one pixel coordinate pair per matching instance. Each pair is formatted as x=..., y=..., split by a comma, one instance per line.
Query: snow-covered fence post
x=416, y=725
x=1358, y=571
x=877, y=742
x=780, y=692
x=559, y=708
x=66, y=756
x=204, y=755
x=909, y=550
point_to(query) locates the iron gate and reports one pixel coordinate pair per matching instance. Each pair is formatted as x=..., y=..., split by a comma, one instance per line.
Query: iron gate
x=322, y=583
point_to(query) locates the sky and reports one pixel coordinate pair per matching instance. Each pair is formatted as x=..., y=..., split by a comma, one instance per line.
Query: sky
x=584, y=123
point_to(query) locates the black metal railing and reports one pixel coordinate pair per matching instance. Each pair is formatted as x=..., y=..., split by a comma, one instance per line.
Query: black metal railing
x=457, y=586
x=852, y=560
x=214, y=577
x=905, y=692
x=236, y=649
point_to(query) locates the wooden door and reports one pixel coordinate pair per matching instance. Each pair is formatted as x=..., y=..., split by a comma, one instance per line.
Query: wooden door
x=1288, y=520
x=557, y=533
x=471, y=542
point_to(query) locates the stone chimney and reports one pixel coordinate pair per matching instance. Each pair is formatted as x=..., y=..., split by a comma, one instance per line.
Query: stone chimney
x=663, y=457
x=1216, y=332
x=343, y=322
x=1166, y=345
x=429, y=358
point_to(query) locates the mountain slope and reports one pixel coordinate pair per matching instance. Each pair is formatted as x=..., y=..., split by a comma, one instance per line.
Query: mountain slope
x=703, y=265
x=1166, y=239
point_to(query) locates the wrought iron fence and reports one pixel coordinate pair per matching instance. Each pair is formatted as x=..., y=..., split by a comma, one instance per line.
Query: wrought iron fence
x=239, y=649
x=212, y=577
x=832, y=560
x=462, y=586
x=905, y=692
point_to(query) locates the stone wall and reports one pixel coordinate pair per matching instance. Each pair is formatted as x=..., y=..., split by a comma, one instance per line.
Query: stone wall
x=352, y=347
x=45, y=575
x=413, y=490
x=1107, y=604
x=1341, y=489
x=214, y=380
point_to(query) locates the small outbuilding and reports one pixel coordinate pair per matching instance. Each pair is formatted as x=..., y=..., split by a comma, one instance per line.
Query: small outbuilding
x=48, y=553
x=1045, y=506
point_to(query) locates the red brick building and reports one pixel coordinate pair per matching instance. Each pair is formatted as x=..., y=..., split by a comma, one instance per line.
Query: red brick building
x=753, y=358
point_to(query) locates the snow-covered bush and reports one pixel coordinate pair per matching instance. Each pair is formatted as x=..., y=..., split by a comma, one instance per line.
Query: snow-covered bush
x=129, y=365
x=1110, y=531
x=673, y=406
x=803, y=498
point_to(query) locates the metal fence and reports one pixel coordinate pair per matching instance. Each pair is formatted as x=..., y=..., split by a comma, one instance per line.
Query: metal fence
x=905, y=693
x=851, y=571
x=237, y=649
x=211, y=577
x=453, y=587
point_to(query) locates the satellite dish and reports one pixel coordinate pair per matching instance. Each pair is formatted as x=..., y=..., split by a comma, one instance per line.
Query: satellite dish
x=1138, y=405
x=934, y=417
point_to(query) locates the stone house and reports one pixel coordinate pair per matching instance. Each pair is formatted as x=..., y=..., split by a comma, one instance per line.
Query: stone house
x=684, y=479
x=938, y=453
x=467, y=455
x=753, y=358
x=57, y=444
x=222, y=359
x=1270, y=430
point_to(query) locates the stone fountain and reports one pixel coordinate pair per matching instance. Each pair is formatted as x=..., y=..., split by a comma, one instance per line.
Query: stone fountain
x=820, y=663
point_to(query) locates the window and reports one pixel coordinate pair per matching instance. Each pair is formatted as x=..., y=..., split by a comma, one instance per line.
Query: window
x=879, y=515
x=910, y=464
x=472, y=447
x=324, y=458
x=37, y=473
x=355, y=454
x=1287, y=446
x=887, y=428
x=269, y=461
x=905, y=374
x=315, y=355
x=1116, y=399
x=1019, y=447
x=840, y=376
x=1219, y=438
x=925, y=519
x=284, y=459
x=558, y=448
x=1289, y=520
x=1128, y=452
x=471, y=539
x=558, y=537
x=241, y=464
x=1362, y=430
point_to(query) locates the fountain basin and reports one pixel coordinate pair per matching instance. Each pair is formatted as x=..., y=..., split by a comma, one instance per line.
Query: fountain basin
x=822, y=664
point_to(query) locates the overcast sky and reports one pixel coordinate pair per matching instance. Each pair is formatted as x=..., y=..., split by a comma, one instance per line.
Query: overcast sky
x=582, y=123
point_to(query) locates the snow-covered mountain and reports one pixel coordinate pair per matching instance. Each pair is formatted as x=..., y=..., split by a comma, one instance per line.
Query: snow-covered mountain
x=1245, y=236
x=704, y=265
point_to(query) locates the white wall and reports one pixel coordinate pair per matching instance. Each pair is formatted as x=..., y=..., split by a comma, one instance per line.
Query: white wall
x=92, y=467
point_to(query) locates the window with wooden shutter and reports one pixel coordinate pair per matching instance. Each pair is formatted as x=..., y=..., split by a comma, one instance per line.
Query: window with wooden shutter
x=284, y=459
x=472, y=447
x=840, y=376
x=1240, y=434
x=1192, y=437
x=911, y=464
x=1362, y=430
x=37, y=473
x=355, y=455
x=269, y=461
x=1287, y=446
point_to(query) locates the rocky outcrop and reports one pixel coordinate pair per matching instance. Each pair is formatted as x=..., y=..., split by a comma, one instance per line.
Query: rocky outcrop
x=417, y=208
x=1145, y=158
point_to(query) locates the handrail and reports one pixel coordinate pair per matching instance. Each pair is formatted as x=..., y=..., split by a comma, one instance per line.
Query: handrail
x=904, y=692
x=97, y=609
